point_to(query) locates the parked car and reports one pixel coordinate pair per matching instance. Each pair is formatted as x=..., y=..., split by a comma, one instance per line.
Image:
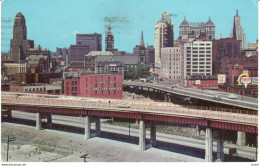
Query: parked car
x=217, y=97
x=123, y=105
x=231, y=96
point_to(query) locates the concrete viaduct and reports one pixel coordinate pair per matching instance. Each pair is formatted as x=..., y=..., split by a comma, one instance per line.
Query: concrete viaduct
x=213, y=122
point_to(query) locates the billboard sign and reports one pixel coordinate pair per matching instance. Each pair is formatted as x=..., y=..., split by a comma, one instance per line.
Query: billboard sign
x=221, y=78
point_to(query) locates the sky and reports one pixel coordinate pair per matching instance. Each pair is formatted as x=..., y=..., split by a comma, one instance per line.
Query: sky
x=54, y=23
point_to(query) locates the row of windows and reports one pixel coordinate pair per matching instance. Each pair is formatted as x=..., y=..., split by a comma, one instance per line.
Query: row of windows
x=102, y=85
x=188, y=70
x=198, y=66
x=102, y=79
x=72, y=88
x=34, y=89
x=102, y=92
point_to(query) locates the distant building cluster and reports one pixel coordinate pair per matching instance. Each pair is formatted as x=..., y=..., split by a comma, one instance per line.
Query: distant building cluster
x=195, y=58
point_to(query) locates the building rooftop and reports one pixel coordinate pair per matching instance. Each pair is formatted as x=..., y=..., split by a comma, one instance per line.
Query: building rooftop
x=95, y=53
x=127, y=60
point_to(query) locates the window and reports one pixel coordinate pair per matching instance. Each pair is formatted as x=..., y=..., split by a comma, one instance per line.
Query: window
x=102, y=92
x=115, y=92
x=86, y=91
x=114, y=84
x=95, y=92
x=26, y=90
x=109, y=92
x=76, y=82
x=68, y=83
x=86, y=85
x=108, y=78
x=86, y=79
x=114, y=78
x=96, y=79
x=72, y=82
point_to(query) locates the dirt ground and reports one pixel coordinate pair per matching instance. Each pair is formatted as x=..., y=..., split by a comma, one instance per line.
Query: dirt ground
x=57, y=146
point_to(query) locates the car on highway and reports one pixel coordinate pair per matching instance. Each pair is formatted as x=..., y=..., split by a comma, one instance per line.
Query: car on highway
x=123, y=105
x=217, y=97
x=231, y=96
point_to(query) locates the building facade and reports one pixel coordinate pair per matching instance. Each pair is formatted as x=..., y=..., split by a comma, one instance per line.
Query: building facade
x=109, y=40
x=19, y=44
x=237, y=32
x=171, y=63
x=197, y=58
x=195, y=29
x=76, y=55
x=223, y=49
x=145, y=54
x=93, y=41
x=95, y=85
x=164, y=35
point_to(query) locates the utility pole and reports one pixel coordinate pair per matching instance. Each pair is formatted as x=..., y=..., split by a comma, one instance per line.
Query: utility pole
x=129, y=130
x=8, y=140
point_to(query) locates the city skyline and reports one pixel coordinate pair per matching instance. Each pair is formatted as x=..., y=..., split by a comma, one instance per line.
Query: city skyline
x=127, y=21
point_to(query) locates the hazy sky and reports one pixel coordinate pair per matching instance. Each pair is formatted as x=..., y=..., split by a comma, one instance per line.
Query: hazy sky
x=54, y=23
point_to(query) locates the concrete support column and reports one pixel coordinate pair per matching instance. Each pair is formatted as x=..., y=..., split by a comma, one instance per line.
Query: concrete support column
x=220, y=149
x=87, y=127
x=49, y=121
x=38, y=121
x=142, y=135
x=153, y=135
x=98, y=133
x=9, y=114
x=241, y=138
x=165, y=97
x=209, y=145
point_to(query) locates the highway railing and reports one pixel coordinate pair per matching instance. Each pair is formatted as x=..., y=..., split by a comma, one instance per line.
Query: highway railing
x=165, y=108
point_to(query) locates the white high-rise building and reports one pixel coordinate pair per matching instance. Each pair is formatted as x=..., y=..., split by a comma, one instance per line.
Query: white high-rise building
x=163, y=37
x=197, y=58
x=237, y=32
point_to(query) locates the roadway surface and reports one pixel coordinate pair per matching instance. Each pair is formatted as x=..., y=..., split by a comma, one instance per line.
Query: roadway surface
x=126, y=105
x=245, y=152
x=241, y=101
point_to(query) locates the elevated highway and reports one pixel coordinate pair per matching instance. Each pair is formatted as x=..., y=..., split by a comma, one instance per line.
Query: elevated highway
x=241, y=102
x=147, y=113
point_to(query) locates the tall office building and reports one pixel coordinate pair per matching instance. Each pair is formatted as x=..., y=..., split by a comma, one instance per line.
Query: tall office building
x=196, y=29
x=163, y=37
x=93, y=41
x=237, y=32
x=171, y=63
x=197, y=58
x=84, y=44
x=19, y=44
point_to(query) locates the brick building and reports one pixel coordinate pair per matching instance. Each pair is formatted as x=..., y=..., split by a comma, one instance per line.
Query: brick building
x=200, y=81
x=223, y=50
x=95, y=85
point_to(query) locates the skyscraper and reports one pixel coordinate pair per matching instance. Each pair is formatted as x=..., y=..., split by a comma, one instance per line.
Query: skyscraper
x=163, y=37
x=237, y=32
x=19, y=44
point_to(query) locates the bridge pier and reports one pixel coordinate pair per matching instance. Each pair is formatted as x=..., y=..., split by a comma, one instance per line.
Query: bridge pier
x=220, y=147
x=9, y=114
x=142, y=134
x=153, y=135
x=209, y=145
x=88, y=121
x=38, y=121
x=241, y=138
x=87, y=127
x=49, y=121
